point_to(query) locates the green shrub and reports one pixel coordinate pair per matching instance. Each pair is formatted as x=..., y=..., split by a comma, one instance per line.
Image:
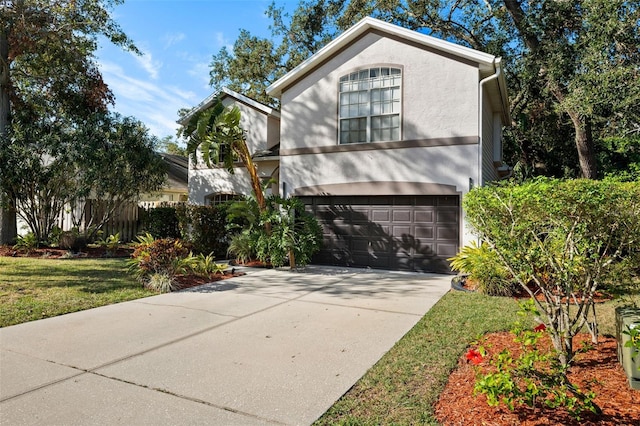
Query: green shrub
x=533, y=378
x=241, y=247
x=294, y=233
x=162, y=222
x=53, y=239
x=167, y=256
x=72, y=240
x=205, y=228
x=27, y=243
x=559, y=239
x=482, y=264
x=206, y=265
x=110, y=244
x=161, y=282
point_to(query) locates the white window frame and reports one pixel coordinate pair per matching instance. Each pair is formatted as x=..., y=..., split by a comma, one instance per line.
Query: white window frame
x=220, y=197
x=356, y=93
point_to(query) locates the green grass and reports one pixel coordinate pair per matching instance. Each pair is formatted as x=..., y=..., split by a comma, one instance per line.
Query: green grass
x=32, y=289
x=404, y=385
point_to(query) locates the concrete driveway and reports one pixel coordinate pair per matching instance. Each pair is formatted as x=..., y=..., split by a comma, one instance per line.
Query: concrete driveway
x=271, y=347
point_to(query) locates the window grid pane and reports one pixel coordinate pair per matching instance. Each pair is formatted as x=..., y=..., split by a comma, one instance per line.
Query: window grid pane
x=385, y=128
x=353, y=130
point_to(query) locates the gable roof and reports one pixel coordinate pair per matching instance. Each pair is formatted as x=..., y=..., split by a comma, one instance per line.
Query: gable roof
x=177, y=170
x=488, y=64
x=224, y=93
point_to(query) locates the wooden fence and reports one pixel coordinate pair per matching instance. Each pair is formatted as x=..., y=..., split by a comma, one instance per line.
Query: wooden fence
x=127, y=221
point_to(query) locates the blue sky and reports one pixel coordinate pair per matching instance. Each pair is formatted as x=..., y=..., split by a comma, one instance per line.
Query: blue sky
x=178, y=38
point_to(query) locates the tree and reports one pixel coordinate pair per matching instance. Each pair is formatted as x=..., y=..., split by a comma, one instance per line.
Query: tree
x=50, y=166
x=38, y=172
x=47, y=66
x=256, y=62
x=168, y=145
x=115, y=162
x=570, y=64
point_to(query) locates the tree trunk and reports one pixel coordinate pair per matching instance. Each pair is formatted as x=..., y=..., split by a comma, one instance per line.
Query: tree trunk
x=585, y=147
x=8, y=228
x=583, y=138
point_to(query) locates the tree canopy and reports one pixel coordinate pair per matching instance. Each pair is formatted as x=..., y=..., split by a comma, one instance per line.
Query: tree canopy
x=48, y=73
x=59, y=144
x=572, y=68
x=53, y=166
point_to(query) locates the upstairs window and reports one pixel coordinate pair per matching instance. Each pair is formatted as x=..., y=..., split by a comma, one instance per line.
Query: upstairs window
x=370, y=103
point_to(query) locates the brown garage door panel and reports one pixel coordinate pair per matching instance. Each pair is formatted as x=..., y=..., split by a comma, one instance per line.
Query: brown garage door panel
x=401, y=215
x=426, y=232
x=416, y=233
x=423, y=216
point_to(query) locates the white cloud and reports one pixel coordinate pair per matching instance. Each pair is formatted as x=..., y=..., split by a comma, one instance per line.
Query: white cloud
x=173, y=38
x=200, y=71
x=148, y=64
x=221, y=41
x=155, y=105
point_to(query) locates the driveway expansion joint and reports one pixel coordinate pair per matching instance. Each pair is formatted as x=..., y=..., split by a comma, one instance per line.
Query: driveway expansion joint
x=188, y=398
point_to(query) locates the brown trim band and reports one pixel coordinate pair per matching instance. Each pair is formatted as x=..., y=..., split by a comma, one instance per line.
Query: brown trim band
x=377, y=188
x=369, y=146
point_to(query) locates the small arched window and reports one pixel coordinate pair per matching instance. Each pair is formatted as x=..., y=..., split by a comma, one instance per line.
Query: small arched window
x=370, y=105
x=215, y=199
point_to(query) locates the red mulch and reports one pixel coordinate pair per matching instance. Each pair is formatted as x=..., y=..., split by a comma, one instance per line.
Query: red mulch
x=55, y=253
x=597, y=367
x=471, y=285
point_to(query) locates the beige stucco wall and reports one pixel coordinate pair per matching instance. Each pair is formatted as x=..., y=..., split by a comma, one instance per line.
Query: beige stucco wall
x=273, y=132
x=439, y=94
x=205, y=181
x=447, y=165
x=440, y=100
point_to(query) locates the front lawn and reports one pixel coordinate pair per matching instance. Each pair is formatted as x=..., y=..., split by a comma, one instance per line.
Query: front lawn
x=32, y=288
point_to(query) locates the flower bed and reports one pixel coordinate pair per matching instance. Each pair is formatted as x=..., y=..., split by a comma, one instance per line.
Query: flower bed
x=598, y=366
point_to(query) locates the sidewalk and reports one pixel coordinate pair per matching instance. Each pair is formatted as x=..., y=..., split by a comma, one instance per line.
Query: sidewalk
x=271, y=347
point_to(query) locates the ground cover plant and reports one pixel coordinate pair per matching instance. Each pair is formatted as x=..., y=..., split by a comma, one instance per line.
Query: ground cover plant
x=33, y=288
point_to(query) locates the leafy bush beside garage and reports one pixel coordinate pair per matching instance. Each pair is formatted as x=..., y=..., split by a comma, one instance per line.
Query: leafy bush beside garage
x=561, y=239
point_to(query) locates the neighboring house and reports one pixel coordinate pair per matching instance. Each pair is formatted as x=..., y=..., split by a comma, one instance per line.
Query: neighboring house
x=175, y=189
x=382, y=132
x=262, y=124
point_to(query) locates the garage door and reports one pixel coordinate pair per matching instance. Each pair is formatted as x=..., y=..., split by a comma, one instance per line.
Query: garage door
x=410, y=233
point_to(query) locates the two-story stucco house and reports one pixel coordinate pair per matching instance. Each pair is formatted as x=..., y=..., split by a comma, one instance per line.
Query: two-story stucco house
x=381, y=134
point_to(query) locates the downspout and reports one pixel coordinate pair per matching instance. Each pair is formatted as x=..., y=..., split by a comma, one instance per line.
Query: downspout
x=493, y=76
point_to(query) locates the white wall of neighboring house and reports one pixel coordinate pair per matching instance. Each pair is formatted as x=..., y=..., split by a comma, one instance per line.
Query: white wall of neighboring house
x=263, y=132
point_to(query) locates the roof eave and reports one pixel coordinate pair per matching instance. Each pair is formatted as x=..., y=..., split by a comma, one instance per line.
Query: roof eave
x=484, y=60
x=224, y=92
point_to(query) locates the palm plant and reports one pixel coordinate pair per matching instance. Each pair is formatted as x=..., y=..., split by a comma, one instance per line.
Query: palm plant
x=217, y=134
